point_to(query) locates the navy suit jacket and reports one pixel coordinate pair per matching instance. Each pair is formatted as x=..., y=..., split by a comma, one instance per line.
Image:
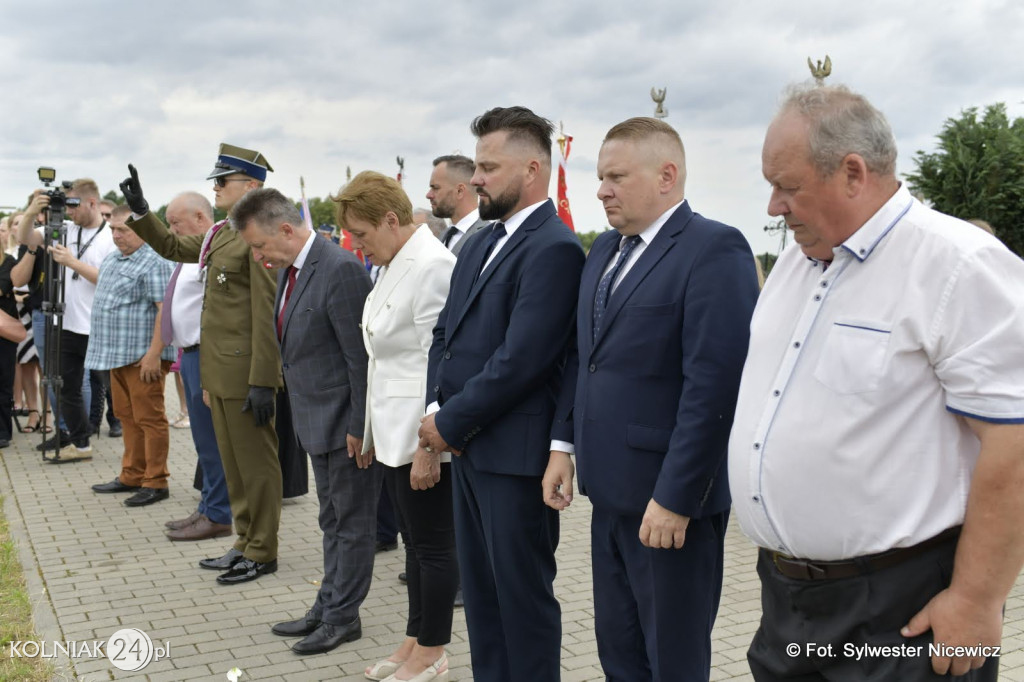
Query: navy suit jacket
x=322, y=351
x=499, y=346
x=652, y=403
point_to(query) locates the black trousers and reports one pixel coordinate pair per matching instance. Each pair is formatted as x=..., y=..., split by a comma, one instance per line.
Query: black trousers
x=431, y=564
x=72, y=368
x=8, y=358
x=825, y=621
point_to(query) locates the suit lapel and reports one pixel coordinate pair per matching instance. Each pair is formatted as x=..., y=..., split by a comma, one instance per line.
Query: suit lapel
x=302, y=281
x=599, y=255
x=655, y=251
x=400, y=266
x=535, y=220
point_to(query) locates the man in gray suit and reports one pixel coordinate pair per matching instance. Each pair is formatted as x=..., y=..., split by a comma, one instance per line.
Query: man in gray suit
x=320, y=295
x=451, y=196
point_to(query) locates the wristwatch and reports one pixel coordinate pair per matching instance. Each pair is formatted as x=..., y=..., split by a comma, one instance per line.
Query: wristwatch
x=30, y=251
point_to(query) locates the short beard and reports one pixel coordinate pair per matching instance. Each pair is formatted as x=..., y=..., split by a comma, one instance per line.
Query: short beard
x=496, y=208
x=444, y=210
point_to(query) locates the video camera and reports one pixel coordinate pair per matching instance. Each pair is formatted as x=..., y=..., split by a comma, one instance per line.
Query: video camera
x=59, y=203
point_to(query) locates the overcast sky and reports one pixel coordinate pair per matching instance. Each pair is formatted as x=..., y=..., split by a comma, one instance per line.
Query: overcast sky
x=318, y=86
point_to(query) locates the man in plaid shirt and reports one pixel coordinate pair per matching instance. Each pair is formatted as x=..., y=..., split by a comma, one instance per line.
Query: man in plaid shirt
x=126, y=340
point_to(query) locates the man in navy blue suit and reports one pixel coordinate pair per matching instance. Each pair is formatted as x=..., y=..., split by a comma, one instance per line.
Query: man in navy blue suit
x=495, y=370
x=662, y=328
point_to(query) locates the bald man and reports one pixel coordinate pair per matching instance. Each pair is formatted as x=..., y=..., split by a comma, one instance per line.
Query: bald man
x=646, y=406
x=190, y=213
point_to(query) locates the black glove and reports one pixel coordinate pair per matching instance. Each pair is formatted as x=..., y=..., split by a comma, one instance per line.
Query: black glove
x=260, y=402
x=132, y=191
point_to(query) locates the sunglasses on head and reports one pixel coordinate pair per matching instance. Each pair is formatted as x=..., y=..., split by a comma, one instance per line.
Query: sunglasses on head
x=222, y=181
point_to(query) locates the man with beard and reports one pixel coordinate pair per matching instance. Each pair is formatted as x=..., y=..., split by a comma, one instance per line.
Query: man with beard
x=495, y=365
x=451, y=196
x=239, y=364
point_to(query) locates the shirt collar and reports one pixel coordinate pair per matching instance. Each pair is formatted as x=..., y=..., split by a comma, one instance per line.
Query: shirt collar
x=863, y=242
x=652, y=231
x=300, y=260
x=513, y=223
x=468, y=220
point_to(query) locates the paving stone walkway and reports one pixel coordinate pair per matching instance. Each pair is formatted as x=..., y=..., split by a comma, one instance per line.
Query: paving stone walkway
x=94, y=566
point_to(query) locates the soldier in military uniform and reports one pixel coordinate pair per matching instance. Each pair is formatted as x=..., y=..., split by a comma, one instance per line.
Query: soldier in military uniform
x=240, y=367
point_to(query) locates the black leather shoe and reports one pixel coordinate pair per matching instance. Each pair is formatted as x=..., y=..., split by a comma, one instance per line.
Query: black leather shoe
x=147, y=496
x=386, y=546
x=222, y=563
x=116, y=431
x=297, y=628
x=114, y=486
x=459, y=603
x=403, y=578
x=246, y=570
x=328, y=637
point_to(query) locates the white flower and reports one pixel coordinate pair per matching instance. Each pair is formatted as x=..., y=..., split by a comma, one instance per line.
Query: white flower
x=234, y=674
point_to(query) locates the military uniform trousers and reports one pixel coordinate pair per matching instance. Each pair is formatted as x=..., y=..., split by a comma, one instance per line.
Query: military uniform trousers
x=253, y=473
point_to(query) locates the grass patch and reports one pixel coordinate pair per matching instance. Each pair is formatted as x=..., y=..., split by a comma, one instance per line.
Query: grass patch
x=16, y=615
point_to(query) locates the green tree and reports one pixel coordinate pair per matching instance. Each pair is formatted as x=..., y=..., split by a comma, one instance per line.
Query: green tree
x=978, y=172
x=114, y=197
x=587, y=238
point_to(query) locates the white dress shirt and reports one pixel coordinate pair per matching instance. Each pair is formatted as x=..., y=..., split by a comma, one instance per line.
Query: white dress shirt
x=646, y=237
x=187, y=306
x=511, y=225
x=847, y=438
x=462, y=227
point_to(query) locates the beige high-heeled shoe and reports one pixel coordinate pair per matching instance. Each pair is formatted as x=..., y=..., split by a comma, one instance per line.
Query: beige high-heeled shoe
x=435, y=672
x=382, y=669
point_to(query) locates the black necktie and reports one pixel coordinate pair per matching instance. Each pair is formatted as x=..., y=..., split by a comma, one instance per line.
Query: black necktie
x=604, y=288
x=497, y=232
x=449, y=233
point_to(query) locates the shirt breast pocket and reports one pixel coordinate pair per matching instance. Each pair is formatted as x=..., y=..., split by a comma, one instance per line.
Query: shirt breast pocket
x=854, y=357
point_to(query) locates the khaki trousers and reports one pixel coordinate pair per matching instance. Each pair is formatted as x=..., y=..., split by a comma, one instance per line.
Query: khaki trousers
x=253, y=474
x=140, y=407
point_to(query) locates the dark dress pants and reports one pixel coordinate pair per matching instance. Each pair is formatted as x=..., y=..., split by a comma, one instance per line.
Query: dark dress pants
x=654, y=608
x=431, y=566
x=8, y=359
x=861, y=610
x=72, y=367
x=506, y=539
x=348, y=518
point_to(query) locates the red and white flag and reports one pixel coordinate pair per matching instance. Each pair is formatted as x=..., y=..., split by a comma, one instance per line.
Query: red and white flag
x=564, y=144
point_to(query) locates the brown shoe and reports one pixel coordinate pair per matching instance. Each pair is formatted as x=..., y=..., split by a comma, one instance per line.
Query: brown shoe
x=185, y=522
x=202, y=529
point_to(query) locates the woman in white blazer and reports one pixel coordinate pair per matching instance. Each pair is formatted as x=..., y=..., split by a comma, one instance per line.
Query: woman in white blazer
x=398, y=323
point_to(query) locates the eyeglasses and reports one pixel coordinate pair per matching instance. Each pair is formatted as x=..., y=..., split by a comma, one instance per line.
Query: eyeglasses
x=222, y=181
x=106, y=216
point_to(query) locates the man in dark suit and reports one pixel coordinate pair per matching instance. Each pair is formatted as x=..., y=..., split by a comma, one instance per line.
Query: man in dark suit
x=495, y=367
x=662, y=326
x=320, y=296
x=452, y=196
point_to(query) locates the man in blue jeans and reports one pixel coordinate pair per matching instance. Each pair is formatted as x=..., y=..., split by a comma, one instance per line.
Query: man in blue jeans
x=191, y=213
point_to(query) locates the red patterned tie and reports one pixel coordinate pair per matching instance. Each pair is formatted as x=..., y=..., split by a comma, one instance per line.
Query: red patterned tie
x=292, y=272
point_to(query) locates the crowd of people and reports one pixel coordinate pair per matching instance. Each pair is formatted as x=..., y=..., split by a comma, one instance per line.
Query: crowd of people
x=861, y=416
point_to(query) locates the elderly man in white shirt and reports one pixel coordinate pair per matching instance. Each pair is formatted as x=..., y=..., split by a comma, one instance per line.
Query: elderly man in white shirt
x=877, y=453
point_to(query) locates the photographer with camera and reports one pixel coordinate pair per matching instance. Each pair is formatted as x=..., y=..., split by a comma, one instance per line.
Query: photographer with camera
x=85, y=243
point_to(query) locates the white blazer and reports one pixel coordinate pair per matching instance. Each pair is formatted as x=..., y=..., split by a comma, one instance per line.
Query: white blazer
x=398, y=328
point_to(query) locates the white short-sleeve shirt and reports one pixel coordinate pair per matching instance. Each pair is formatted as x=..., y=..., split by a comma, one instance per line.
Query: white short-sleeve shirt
x=848, y=437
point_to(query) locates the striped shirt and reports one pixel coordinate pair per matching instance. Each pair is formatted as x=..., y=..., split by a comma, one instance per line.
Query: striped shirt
x=123, y=311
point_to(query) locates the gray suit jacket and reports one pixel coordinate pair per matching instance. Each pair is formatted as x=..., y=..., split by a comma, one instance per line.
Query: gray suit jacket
x=473, y=229
x=322, y=350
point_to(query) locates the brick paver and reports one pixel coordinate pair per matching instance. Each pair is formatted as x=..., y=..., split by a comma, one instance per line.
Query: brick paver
x=95, y=566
